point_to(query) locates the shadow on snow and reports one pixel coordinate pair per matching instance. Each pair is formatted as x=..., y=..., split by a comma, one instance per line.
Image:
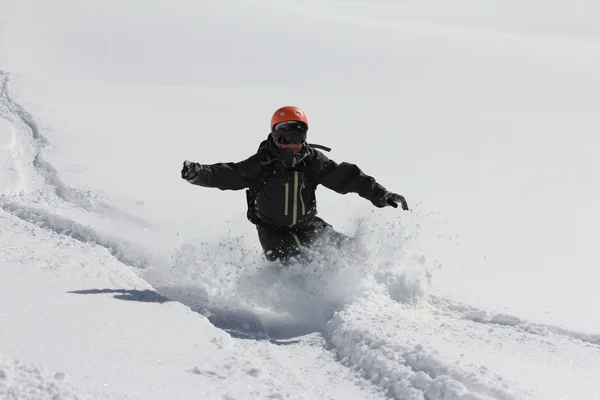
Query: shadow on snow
x=241, y=324
x=144, y=296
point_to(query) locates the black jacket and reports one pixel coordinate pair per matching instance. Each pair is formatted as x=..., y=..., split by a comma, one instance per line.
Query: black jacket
x=286, y=182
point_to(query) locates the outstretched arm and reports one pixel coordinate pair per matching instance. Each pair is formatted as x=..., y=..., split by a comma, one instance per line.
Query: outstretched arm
x=348, y=178
x=224, y=176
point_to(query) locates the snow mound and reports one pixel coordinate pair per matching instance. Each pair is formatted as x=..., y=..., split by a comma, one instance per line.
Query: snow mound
x=26, y=381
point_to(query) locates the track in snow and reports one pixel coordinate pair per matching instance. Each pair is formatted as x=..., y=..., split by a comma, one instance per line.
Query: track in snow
x=35, y=192
x=439, y=306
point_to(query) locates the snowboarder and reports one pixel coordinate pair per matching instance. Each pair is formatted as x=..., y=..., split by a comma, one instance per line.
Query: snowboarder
x=281, y=179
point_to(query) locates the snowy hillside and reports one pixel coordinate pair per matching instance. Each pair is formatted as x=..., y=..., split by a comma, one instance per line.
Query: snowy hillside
x=120, y=280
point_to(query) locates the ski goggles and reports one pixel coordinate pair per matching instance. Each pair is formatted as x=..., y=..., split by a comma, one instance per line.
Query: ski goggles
x=290, y=132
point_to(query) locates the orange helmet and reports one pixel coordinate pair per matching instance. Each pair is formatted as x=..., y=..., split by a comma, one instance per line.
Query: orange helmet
x=288, y=113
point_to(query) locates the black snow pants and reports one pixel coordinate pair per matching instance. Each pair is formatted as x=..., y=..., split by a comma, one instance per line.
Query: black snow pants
x=282, y=244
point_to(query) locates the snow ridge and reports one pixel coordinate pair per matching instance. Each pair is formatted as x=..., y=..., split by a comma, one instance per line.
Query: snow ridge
x=445, y=307
x=22, y=121
x=26, y=146
x=126, y=252
x=22, y=117
x=14, y=176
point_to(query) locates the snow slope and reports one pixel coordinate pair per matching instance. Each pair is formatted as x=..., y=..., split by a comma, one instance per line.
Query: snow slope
x=118, y=280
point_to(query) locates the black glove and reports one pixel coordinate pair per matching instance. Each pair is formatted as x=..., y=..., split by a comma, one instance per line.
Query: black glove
x=188, y=171
x=391, y=199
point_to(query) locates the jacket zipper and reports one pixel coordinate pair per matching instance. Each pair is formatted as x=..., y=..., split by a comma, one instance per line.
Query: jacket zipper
x=302, y=199
x=295, y=206
x=287, y=197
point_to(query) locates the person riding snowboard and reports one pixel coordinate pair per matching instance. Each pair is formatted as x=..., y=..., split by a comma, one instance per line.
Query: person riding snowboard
x=281, y=179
